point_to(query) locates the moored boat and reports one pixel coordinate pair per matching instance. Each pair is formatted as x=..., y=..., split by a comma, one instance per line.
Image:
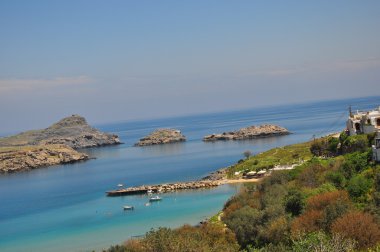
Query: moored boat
x=155, y=198
x=128, y=208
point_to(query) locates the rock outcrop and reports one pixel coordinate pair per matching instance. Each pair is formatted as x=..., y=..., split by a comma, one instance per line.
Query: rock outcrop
x=251, y=132
x=162, y=136
x=72, y=131
x=14, y=159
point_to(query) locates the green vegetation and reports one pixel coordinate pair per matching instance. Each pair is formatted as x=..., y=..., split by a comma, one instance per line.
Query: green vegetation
x=288, y=155
x=206, y=238
x=331, y=202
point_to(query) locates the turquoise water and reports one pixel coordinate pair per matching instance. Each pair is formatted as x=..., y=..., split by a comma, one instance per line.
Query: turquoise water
x=64, y=208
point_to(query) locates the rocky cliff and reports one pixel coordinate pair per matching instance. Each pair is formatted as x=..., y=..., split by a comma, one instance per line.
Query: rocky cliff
x=251, y=132
x=72, y=131
x=162, y=136
x=13, y=159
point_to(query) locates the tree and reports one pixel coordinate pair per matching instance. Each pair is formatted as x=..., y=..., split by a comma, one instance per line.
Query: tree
x=247, y=154
x=294, y=202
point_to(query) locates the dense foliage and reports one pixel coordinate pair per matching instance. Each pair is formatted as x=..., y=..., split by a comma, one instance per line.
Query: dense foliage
x=329, y=203
x=206, y=238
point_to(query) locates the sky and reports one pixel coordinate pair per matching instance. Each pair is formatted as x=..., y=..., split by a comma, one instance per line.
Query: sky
x=125, y=60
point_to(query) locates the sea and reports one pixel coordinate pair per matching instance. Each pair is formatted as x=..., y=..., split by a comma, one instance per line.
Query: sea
x=65, y=208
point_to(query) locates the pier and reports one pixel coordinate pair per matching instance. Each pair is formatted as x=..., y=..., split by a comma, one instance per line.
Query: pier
x=163, y=188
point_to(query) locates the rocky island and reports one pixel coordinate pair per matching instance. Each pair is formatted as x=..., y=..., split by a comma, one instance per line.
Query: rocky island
x=51, y=146
x=265, y=130
x=72, y=131
x=14, y=159
x=162, y=136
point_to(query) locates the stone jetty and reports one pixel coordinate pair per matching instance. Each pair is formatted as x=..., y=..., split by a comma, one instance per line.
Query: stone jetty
x=163, y=188
x=252, y=132
x=162, y=136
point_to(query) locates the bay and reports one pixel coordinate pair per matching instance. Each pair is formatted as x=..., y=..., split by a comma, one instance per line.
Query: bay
x=64, y=208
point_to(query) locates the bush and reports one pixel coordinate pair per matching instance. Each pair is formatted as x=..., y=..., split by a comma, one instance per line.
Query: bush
x=359, y=186
x=337, y=178
x=321, y=212
x=321, y=242
x=355, y=143
x=355, y=163
x=294, y=202
x=312, y=176
x=359, y=226
x=187, y=238
x=245, y=223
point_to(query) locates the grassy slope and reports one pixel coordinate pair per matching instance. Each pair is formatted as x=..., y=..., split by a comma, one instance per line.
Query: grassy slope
x=288, y=155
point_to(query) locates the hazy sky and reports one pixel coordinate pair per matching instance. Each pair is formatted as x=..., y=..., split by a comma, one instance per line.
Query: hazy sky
x=123, y=60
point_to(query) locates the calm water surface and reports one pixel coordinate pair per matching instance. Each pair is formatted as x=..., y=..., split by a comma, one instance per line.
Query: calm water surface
x=64, y=208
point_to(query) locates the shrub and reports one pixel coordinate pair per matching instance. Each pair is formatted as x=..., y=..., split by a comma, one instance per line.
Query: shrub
x=321, y=242
x=359, y=226
x=312, y=176
x=355, y=143
x=321, y=212
x=275, y=231
x=355, y=163
x=294, y=202
x=187, y=238
x=309, y=221
x=321, y=201
x=245, y=223
x=358, y=186
x=337, y=178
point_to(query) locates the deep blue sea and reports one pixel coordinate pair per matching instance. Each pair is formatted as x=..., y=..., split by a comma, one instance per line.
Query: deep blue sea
x=64, y=208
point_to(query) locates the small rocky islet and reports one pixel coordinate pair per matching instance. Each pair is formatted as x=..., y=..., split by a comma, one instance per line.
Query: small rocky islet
x=162, y=136
x=251, y=132
x=51, y=146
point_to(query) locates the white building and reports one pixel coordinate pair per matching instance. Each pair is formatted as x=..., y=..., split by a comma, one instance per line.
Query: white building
x=364, y=122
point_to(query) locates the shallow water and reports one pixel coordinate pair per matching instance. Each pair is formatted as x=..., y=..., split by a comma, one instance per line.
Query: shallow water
x=64, y=208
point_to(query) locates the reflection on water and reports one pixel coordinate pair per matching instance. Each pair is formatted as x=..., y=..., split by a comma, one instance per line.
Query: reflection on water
x=164, y=149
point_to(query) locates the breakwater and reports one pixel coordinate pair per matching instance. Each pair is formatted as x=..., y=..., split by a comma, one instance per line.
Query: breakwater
x=162, y=188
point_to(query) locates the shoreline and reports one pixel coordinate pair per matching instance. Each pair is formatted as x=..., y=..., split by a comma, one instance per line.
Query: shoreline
x=204, y=183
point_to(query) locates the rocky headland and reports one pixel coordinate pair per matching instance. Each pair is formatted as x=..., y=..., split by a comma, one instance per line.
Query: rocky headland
x=14, y=159
x=162, y=136
x=72, y=131
x=51, y=146
x=251, y=132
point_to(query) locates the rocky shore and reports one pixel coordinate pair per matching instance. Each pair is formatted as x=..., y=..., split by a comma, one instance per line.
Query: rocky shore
x=163, y=188
x=162, y=136
x=251, y=132
x=14, y=159
x=72, y=131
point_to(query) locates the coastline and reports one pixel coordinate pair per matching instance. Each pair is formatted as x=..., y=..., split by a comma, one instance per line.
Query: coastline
x=177, y=161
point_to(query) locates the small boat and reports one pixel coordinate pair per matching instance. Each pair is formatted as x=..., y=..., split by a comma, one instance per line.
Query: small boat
x=155, y=198
x=120, y=185
x=128, y=208
x=150, y=191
